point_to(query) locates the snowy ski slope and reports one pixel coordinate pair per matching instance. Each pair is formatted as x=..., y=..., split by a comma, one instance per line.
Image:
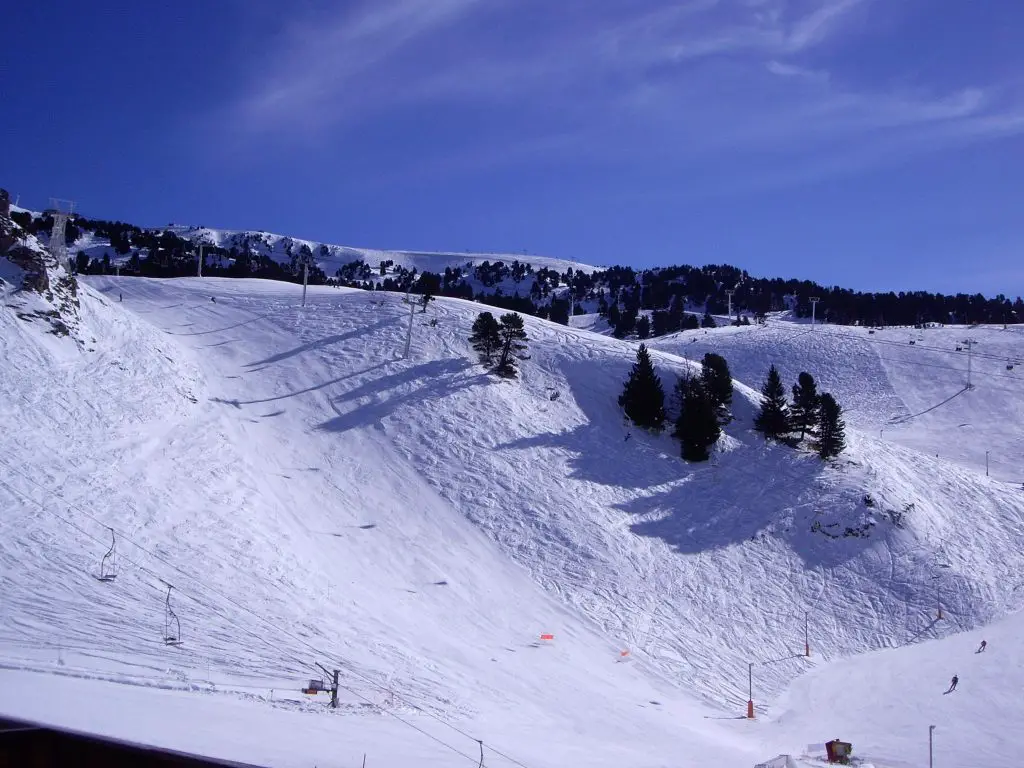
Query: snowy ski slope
x=313, y=497
x=912, y=394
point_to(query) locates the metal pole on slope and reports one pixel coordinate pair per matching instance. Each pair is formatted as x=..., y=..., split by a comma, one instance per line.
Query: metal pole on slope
x=199, y=269
x=931, y=728
x=986, y=463
x=969, y=343
x=334, y=686
x=728, y=295
x=408, y=336
x=807, y=636
x=814, y=306
x=305, y=278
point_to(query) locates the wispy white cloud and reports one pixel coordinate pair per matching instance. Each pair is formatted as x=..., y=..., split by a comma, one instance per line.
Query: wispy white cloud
x=644, y=81
x=814, y=27
x=331, y=60
x=783, y=69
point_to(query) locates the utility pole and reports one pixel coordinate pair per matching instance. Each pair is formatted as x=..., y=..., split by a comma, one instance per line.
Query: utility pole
x=814, y=306
x=750, y=691
x=728, y=295
x=408, y=336
x=931, y=728
x=334, y=684
x=305, y=278
x=969, y=343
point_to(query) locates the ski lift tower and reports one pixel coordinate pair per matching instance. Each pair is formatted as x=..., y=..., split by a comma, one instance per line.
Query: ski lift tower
x=62, y=211
x=305, y=259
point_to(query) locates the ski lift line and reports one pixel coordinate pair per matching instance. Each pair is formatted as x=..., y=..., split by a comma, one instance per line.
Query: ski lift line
x=923, y=348
x=920, y=364
x=917, y=347
x=24, y=642
x=910, y=362
x=416, y=727
x=345, y=662
x=136, y=564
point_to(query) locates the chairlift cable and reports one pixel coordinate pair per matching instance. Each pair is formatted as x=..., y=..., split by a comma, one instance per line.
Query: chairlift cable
x=344, y=662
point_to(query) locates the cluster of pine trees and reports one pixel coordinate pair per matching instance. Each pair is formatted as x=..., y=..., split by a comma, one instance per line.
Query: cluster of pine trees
x=703, y=402
x=809, y=415
x=500, y=343
x=703, y=405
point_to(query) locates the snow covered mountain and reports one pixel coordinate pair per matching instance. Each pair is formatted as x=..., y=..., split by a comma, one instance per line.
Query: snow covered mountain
x=330, y=257
x=315, y=496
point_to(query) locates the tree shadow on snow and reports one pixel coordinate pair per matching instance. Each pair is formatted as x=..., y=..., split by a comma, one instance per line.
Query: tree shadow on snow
x=373, y=401
x=326, y=341
x=295, y=393
x=757, y=493
x=600, y=453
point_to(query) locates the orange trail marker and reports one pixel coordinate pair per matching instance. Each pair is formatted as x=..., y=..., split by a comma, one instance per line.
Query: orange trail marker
x=547, y=637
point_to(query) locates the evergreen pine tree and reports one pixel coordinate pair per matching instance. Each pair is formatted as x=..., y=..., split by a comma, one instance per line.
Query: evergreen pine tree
x=643, y=327
x=486, y=338
x=697, y=426
x=773, y=420
x=513, y=343
x=831, y=428
x=804, y=411
x=717, y=382
x=708, y=321
x=642, y=397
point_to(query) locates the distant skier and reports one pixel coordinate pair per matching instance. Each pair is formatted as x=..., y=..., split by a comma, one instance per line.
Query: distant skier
x=120, y=297
x=628, y=435
x=952, y=685
x=981, y=648
x=213, y=299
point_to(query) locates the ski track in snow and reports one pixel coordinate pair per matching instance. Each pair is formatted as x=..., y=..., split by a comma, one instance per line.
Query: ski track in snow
x=425, y=522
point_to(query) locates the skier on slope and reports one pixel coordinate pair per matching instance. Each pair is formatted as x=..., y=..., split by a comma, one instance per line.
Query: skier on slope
x=981, y=647
x=952, y=684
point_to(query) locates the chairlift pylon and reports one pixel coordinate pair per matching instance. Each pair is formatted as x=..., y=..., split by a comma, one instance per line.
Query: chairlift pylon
x=171, y=622
x=108, y=565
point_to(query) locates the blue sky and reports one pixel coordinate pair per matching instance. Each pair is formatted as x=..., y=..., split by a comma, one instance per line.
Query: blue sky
x=873, y=144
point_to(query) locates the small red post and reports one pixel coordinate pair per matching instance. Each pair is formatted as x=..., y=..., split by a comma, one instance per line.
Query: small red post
x=750, y=691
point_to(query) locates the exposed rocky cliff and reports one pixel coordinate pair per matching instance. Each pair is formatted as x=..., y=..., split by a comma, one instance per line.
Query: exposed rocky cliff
x=32, y=283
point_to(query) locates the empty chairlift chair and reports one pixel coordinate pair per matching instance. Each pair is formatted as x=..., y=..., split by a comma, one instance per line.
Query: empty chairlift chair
x=108, y=565
x=172, y=626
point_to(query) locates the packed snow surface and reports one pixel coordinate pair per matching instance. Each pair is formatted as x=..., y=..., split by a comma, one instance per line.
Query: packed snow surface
x=315, y=496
